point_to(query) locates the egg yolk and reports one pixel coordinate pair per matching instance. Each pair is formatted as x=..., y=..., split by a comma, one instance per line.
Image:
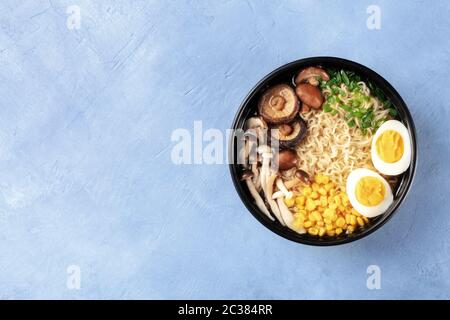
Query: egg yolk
x=370, y=191
x=390, y=146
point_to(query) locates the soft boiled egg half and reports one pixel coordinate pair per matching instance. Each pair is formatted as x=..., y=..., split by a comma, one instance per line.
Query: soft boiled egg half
x=391, y=148
x=368, y=192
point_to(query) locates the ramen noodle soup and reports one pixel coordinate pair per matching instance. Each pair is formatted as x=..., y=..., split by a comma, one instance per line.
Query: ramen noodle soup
x=341, y=152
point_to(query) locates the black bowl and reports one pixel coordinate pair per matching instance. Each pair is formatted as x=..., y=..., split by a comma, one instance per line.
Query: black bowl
x=284, y=74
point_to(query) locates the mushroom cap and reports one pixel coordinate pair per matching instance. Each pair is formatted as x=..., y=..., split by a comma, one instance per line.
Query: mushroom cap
x=289, y=138
x=247, y=174
x=309, y=95
x=307, y=74
x=287, y=159
x=279, y=104
x=249, y=135
x=303, y=176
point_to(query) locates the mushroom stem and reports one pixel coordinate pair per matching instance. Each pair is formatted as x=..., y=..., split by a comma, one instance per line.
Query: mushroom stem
x=252, y=151
x=265, y=167
x=256, y=180
x=277, y=195
x=266, y=154
x=247, y=153
x=256, y=129
x=272, y=203
x=258, y=200
x=247, y=175
x=286, y=215
x=283, y=189
x=244, y=154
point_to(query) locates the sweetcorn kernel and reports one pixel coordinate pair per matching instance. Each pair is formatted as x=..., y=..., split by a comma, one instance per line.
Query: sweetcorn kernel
x=323, y=201
x=297, y=224
x=314, y=195
x=328, y=213
x=315, y=186
x=344, y=199
x=350, y=229
x=289, y=202
x=321, y=231
x=307, y=224
x=322, y=191
x=334, y=217
x=318, y=178
x=338, y=231
x=348, y=218
x=360, y=221
x=320, y=224
x=337, y=200
x=340, y=222
x=310, y=205
x=317, y=216
x=307, y=191
x=300, y=200
x=313, y=231
x=300, y=216
x=331, y=233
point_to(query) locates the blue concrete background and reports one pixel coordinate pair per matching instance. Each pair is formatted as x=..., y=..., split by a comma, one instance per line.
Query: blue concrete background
x=86, y=176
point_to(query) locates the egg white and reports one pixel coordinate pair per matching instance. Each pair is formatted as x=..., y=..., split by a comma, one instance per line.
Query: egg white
x=396, y=168
x=369, y=212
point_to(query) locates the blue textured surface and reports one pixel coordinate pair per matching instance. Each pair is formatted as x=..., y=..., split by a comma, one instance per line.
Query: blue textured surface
x=85, y=172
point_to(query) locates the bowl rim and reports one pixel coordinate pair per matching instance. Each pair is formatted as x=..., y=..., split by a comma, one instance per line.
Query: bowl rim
x=275, y=226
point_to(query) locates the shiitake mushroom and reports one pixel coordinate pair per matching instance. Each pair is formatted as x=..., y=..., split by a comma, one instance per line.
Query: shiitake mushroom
x=303, y=176
x=279, y=104
x=310, y=95
x=307, y=90
x=289, y=135
x=311, y=75
x=286, y=159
